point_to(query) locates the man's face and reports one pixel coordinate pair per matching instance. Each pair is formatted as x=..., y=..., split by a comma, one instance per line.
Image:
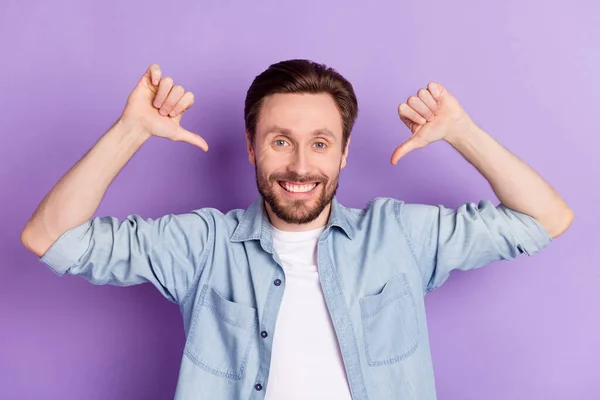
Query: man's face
x=298, y=154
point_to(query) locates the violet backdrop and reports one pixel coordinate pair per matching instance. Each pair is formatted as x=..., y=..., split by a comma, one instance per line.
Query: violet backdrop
x=527, y=72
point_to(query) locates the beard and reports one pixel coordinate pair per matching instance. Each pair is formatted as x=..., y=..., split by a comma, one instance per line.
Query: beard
x=296, y=211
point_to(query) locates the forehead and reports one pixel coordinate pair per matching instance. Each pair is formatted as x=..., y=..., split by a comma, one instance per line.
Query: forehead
x=300, y=113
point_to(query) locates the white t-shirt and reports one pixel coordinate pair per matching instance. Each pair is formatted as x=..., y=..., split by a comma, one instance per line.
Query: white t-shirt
x=306, y=362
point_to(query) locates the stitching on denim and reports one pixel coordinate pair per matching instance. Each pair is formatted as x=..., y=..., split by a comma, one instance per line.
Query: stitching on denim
x=397, y=213
x=227, y=373
x=393, y=360
x=197, y=310
x=203, y=259
x=413, y=346
x=353, y=387
x=216, y=311
x=236, y=234
x=381, y=307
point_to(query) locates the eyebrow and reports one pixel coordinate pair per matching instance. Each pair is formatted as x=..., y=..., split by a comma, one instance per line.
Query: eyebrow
x=316, y=132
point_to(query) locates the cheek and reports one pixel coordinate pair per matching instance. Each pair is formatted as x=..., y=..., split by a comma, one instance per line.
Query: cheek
x=271, y=162
x=333, y=167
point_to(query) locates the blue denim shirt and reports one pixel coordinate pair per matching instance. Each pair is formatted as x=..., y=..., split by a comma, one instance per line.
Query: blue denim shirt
x=375, y=266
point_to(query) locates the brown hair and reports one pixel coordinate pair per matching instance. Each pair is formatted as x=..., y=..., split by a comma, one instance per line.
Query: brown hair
x=301, y=76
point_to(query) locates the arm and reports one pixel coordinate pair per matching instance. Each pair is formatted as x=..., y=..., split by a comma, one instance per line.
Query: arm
x=77, y=195
x=514, y=182
x=531, y=213
x=435, y=114
x=104, y=250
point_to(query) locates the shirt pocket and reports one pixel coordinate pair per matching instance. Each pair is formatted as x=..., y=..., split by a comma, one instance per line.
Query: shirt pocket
x=390, y=325
x=221, y=334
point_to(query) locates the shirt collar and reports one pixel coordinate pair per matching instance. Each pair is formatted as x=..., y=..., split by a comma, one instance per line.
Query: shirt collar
x=254, y=224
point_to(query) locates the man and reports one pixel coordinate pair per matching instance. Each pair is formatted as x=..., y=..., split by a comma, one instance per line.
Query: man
x=296, y=297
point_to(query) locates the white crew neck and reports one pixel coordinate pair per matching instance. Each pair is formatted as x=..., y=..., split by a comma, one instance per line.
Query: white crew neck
x=296, y=236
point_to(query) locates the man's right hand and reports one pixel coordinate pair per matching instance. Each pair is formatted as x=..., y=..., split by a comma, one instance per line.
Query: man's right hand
x=156, y=106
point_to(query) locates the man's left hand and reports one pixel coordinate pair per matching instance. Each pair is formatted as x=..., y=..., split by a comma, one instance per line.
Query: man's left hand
x=432, y=115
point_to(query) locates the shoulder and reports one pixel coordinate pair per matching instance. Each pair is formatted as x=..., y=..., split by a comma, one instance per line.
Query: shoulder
x=380, y=210
x=196, y=221
x=389, y=210
x=379, y=205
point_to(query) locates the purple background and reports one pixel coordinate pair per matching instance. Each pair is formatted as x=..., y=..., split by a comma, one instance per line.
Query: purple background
x=527, y=72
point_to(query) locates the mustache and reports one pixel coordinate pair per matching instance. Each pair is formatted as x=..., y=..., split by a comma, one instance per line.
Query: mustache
x=294, y=177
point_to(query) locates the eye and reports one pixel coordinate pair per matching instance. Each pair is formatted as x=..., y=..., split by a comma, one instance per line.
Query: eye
x=321, y=145
x=280, y=143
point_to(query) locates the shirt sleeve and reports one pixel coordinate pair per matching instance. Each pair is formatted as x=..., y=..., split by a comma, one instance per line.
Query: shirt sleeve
x=444, y=239
x=169, y=252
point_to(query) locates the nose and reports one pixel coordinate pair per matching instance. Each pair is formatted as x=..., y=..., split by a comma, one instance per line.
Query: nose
x=299, y=162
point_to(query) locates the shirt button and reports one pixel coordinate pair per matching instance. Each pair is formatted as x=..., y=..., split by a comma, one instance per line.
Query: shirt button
x=264, y=334
x=277, y=282
x=258, y=387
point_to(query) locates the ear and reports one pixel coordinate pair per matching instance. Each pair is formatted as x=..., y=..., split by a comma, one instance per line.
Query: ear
x=345, y=155
x=251, y=157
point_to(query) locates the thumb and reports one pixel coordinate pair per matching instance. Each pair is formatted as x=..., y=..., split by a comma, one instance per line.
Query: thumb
x=191, y=138
x=151, y=78
x=145, y=80
x=403, y=150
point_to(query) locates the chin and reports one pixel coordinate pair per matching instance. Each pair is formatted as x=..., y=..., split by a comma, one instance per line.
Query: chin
x=297, y=207
x=297, y=211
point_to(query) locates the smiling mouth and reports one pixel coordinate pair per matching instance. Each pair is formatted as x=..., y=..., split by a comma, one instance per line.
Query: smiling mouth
x=298, y=188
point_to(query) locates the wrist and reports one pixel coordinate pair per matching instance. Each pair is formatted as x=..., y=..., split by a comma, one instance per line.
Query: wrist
x=132, y=128
x=463, y=134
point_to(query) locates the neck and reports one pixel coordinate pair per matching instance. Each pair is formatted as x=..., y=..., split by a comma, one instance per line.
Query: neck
x=280, y=224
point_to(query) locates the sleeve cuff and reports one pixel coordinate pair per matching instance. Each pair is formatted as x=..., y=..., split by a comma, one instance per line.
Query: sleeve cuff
x=531, y=235
x=68, y=249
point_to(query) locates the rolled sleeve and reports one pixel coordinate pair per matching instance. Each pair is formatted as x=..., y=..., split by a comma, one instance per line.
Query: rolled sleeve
x=444, y=239
x=169, y=252
x=68, y=249
x=514, y=230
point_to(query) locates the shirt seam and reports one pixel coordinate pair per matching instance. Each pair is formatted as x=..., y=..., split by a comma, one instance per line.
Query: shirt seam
x=203, y=259
x=397, y=205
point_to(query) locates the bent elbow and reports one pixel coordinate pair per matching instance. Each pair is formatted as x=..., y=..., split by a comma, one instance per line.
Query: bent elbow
x=561, y=223
x=34, y=242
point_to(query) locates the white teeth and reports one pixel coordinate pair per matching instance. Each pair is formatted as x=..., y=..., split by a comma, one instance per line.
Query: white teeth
x=298, y=188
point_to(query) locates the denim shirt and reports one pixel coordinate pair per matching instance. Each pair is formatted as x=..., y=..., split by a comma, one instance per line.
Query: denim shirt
x=375, y=266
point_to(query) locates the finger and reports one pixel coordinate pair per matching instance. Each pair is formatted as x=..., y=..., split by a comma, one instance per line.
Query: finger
x=427, y=98
x=155, y=73
x=403, y=150
x=164, y=88
x=191, y=138
x=412, y=126
x=436, y=90
x=174, y=96
x=183, y=104
x=417, y=104
x=404, y=110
